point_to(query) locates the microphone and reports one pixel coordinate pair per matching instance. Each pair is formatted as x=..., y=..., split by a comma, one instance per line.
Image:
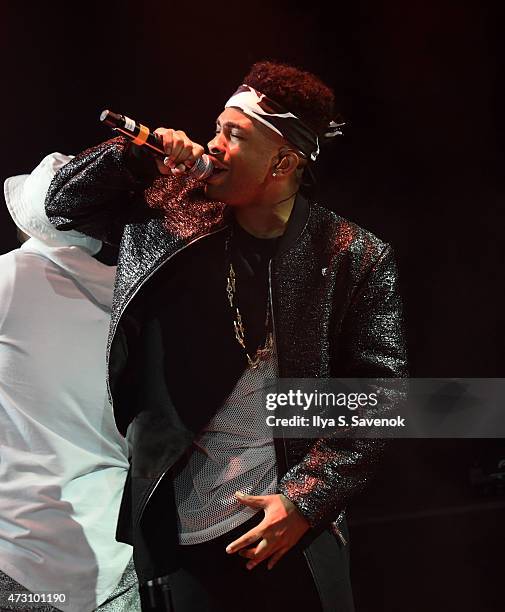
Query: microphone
x=141, y=135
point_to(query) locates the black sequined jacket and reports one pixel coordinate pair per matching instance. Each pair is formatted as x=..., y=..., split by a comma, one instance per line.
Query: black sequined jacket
x=335, y=303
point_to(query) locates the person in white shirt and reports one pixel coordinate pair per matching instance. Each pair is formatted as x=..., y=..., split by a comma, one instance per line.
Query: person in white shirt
x=63, y=463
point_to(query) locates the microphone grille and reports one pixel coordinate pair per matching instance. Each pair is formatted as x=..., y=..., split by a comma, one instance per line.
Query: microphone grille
x=202, y=168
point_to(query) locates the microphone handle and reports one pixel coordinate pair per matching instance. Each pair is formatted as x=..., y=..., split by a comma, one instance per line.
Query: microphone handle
x=141, y=135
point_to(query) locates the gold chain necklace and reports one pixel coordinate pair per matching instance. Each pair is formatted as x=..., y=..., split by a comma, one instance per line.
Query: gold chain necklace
x=238, y=325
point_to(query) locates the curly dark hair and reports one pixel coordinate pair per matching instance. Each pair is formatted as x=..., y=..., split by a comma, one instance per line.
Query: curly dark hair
x=300, y=92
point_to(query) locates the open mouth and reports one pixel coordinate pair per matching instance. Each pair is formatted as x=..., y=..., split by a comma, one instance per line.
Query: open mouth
x=215, y=173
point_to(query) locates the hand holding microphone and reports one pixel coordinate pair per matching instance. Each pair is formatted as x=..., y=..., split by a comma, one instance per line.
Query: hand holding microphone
x=174, y=152
x=181, y=153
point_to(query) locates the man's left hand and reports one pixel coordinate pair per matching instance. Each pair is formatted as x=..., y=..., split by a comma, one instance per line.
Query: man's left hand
x=280, y=529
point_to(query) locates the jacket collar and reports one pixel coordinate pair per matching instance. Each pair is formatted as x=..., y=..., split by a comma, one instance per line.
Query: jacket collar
x=296, y=223
x=294, y=227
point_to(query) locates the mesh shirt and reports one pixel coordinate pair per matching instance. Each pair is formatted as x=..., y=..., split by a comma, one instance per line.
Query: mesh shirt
x=235, y=452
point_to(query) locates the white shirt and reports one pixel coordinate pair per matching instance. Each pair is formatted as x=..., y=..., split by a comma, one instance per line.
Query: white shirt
x=62, y=461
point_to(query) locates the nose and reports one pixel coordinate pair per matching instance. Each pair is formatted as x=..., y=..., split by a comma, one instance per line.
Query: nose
x=216, y=146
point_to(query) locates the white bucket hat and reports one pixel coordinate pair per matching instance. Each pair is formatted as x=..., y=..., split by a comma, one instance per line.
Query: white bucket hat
x=25, y=196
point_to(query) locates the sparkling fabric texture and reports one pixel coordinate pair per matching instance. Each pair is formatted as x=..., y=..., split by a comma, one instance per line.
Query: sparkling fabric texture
x=336, y=306
x=235, y=452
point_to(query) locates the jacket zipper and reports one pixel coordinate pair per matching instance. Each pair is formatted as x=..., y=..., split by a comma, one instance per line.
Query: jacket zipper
x=309, y=563
x=336, y=531
x=144, y=280
x=270, y=297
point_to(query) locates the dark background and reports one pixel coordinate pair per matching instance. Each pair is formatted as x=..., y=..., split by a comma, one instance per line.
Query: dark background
x=420, y=84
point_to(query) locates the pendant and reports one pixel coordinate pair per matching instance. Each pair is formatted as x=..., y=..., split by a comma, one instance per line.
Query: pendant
x=262, y=354
x=253, y=363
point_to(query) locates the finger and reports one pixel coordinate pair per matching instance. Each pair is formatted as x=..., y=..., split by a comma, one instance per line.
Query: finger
x=275, y=557
x=182, y=148
x=160, y=132
x=246, y=540
x=166, y=139
x=181, y=152
x=179, y=169
x=253, y=501
x=185, y=153
x=252, y=553
x=162, y=169
x=177, y=146
x=196, y=152
x=262, y=548
x=247, y=553
x=263, y=551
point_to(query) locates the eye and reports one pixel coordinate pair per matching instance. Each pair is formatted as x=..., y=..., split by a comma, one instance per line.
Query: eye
x=228, y=133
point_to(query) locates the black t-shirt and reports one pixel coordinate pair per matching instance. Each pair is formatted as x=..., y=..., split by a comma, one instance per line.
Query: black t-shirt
x=187, y=304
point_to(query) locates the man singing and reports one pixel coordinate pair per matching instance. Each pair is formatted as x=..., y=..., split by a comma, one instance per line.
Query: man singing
x=222, y=285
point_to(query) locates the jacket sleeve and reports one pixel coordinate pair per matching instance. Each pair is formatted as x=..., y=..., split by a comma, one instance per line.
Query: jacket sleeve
x=372, y=345
x=97, y=190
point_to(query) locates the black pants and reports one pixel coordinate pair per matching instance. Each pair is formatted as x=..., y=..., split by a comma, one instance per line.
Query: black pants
x=210, y=580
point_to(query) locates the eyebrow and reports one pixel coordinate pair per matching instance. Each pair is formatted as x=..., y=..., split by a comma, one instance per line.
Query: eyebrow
x=231, y=124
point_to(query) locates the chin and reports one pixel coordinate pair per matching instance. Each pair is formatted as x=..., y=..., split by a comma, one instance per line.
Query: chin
x=213, y=192
x=209, y=191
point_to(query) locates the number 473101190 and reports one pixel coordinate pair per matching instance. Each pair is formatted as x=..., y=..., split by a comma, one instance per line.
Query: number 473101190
x=31, y=597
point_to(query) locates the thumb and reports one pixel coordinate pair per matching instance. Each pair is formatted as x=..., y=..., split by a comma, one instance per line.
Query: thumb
x=253, y=501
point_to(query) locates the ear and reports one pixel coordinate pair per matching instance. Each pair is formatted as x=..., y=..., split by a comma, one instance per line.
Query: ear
x=287, y=164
